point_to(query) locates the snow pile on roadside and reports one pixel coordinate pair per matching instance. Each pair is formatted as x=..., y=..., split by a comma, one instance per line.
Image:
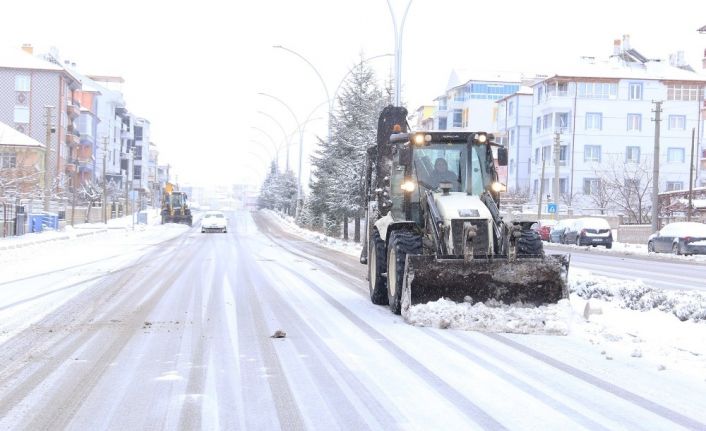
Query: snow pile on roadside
x=635, y=295
x=348, y=247
x=493, y=316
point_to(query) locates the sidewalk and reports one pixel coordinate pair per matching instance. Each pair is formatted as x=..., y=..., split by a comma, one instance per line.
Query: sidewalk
x=77, y=231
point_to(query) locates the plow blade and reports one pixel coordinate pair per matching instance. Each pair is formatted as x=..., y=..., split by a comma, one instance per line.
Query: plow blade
x=529, y=280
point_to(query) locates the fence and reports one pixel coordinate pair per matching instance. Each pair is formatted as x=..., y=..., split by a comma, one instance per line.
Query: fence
x=13, y=220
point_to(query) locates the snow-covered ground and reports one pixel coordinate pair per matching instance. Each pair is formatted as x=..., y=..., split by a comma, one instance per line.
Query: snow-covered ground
x=349, y=247
x=41, y=271
x=626, y=319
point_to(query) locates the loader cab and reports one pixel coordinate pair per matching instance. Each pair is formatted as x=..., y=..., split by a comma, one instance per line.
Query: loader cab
x=440, y=162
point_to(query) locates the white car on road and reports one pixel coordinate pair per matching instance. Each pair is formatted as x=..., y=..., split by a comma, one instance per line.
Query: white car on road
x=214, y=221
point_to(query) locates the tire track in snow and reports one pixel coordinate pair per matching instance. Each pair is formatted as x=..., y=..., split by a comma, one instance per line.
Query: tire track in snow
x=448, y=392
x=625, y=394
x=84, y=310
x=357, y=407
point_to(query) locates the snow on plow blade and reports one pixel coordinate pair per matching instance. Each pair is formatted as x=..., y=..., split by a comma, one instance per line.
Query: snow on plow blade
x=529, y=280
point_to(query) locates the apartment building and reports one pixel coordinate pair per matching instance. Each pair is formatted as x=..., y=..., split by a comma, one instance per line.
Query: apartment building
x=33, y=88
x=601, y=112
x=514, y=127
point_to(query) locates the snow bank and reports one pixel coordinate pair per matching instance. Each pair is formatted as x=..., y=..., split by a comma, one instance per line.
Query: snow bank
x=348, y=247
x=493, y=316
x=635, y=295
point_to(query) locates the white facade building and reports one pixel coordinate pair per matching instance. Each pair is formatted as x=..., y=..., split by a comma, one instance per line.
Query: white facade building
x=514, y=123
x=604, y=112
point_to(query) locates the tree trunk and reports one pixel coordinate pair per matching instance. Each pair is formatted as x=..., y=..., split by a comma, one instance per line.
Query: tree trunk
x=88, y=212
x=356, y=234
x=345, y=226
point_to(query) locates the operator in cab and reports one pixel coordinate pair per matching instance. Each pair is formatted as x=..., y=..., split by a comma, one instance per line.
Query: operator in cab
x=442, y=174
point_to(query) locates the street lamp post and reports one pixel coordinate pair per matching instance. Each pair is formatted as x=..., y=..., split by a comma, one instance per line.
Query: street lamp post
x=398, y=50
x=284, y=135
x=272, y=141
x=323, y=84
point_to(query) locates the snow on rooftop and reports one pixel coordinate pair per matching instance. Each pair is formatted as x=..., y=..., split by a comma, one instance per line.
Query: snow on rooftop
x=616, y=68
x=10, y=136
x=19, y=59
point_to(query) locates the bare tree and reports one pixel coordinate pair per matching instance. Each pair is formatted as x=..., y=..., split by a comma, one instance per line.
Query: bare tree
x=628, y=187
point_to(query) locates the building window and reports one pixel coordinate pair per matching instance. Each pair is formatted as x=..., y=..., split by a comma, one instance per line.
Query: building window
x=458, y=118
x=511, y=108
x=684, y=92
x=563, y=153
x=442, y=123
x=592, y=153
x=442, y=104
x=535, y=187
x=464, y=122
x=547, y=121
x=594, y=121
x=536, y=155
x=677, y=122
x=635, y=91
x=634, y=122
x=540, y=94
x=22, y=114
x=591, y=185
x=562, y=120
x=563, y=185
x=546, y=152
x=8, y=160
x=538, y=128
x=22, y=82
x=674, y=185
x=597, y=90
x=632, y=154
x=137, y=172
x=675, y=155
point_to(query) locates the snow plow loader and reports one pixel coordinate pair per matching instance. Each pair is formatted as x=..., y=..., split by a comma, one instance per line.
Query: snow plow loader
x=175, y=206
x=434, y=224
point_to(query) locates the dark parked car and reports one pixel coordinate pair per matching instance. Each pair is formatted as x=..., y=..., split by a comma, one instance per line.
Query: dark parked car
x=559, y=229
x=591, y=231
x=679, y=238
x=543, y=227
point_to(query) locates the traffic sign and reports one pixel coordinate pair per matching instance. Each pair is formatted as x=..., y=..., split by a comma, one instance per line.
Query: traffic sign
x=551, y=208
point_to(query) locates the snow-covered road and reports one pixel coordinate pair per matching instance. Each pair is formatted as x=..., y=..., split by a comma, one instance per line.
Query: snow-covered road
x=174, y=333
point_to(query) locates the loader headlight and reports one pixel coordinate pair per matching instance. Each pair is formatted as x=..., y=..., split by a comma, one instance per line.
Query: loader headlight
x=497, y=187
x=408, y=186
x=481, y=138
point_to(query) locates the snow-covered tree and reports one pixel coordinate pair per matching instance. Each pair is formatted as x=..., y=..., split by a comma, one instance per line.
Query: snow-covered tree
x=278, y=191
x=338, y=175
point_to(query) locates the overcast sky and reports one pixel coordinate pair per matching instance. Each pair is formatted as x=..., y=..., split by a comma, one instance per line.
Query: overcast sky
x=194, y=68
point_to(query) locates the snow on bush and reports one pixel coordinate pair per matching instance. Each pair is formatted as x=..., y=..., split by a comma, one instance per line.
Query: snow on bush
x=635, y=295
x=492, y=316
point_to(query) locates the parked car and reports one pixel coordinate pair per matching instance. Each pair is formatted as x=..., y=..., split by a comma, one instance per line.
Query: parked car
x=214, y=221
x=593, y=231
x=679, y=238
x=543, y=227
x=557, y=233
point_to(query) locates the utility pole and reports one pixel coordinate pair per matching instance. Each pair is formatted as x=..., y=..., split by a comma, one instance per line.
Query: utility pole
x=127, y=177
x=105, y=194
x=655, y=168
x=691, y=174
x=541, y=190
x=557, y=154
x=47, y=158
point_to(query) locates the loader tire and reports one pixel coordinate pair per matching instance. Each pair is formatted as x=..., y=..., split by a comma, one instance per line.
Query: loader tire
x=377, y=265
x=529, y=244
x=402, y=243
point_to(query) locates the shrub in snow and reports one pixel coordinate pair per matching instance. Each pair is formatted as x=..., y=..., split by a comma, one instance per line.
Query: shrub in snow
x=589, y=288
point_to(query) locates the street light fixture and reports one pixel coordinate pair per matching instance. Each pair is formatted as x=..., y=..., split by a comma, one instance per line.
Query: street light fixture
x=272, y=141
x=398, y=49
x=284, y=136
